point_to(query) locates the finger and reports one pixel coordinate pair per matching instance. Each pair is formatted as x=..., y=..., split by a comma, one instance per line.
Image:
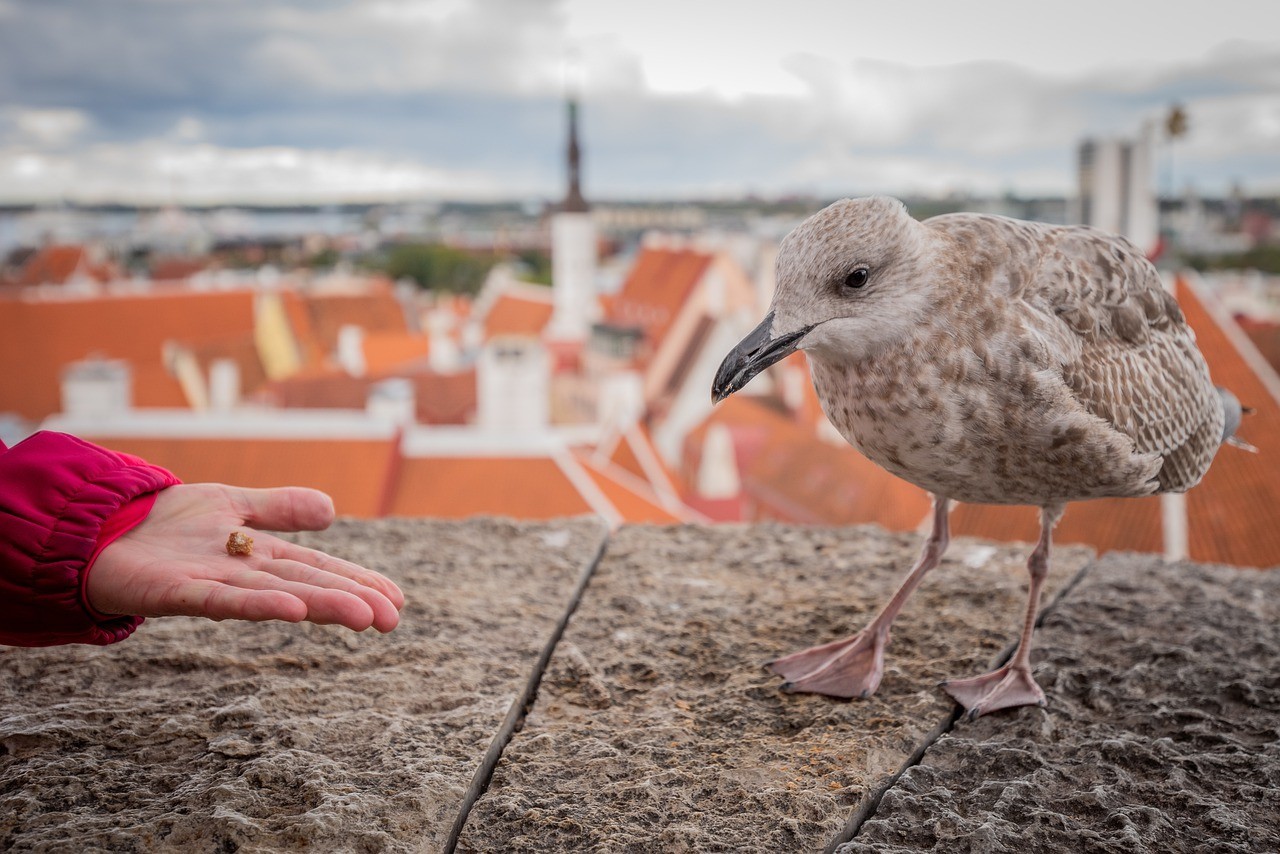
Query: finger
x=325, y=605
x=287, y=508
x=219, y=601
x=338, y=566
x=385, y=613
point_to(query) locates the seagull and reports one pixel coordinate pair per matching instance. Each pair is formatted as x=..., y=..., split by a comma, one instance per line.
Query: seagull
x=986, y=360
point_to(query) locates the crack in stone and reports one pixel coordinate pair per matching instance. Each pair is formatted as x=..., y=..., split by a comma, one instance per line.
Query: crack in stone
x=870, y=803
x=523, y=702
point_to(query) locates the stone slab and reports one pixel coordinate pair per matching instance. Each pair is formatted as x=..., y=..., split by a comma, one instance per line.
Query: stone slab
x=200, y=736
x=655, y=727
x=1162, y=732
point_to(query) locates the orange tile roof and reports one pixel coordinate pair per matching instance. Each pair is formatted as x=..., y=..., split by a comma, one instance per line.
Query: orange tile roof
x=439, y=398
x=658, y=285
x=172, y=268
x=1265, y=335
x=386, y=350
x=310, y=350
x=374, y=310
x=242, y=350
x=446, y=398
x=789, y=474
x=452, y=487
x=353, y=471
x=1106, y=524
x=633, y=452
x=58, y=263
x=624, y=457
x=1231, y=514
x=632, y=497
x=518, y=314
x=38, y=338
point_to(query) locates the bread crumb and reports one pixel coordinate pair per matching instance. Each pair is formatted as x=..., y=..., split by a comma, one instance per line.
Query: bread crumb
x=239, y=545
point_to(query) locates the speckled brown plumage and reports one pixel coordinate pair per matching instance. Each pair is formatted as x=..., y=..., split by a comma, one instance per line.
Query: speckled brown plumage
x=986, y=360
x=1031, y=364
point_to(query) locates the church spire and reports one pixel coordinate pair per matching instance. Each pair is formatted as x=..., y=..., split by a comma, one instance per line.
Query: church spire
x=573, y=200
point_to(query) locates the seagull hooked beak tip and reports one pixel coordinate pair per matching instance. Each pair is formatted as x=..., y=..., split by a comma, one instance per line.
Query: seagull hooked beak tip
x=752, y=355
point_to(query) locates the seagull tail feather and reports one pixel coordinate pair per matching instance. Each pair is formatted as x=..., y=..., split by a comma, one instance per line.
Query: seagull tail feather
x=1232, y=413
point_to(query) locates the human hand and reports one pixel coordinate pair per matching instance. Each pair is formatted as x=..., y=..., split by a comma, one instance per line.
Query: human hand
x=175, y=563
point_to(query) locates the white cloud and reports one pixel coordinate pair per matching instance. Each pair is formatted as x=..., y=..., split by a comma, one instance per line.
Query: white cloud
x=160, y=171
x=47, y=127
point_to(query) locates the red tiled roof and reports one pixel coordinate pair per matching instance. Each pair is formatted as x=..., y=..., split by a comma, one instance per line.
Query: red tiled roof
x=173, y=268
x=658, y=285
x=56, y=264
x=439, y=398
x=38, y=338
x=790, y=475
x=1107, y=524
x=1231, y=514
x=633, y=499
x=353, y=472
x=1265, y=335
x=446, y=398
x=518, y=314
x=242, y=350
x=450, y=487
x=386, y=351
x=633, y=452
x=374, y=310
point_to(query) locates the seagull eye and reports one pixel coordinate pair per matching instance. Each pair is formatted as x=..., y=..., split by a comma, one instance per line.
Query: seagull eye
x=857, y=278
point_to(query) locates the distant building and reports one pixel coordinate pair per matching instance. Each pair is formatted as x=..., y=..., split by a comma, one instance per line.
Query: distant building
x=1116, y=188
x=573, y=251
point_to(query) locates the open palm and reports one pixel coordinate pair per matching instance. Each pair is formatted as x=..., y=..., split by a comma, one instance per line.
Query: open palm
x=175, y=563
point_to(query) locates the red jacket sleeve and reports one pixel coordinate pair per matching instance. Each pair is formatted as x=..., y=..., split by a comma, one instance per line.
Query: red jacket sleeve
x=56, y=494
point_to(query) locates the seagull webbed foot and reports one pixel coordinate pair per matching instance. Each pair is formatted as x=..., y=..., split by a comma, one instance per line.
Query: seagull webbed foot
x=1005, y=688
x=847, y=668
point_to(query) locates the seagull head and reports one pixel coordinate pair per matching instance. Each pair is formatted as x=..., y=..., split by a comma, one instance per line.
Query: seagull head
x=850, y=279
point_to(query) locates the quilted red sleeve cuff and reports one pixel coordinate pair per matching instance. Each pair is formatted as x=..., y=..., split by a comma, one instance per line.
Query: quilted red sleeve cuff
x=57, y=495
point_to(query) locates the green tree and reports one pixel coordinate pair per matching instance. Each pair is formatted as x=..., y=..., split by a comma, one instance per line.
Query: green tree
x=438, y=267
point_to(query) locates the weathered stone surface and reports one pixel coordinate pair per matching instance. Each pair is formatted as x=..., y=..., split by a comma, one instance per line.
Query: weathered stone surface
x=199, y=736
x=656, y=728
x=1162, y=732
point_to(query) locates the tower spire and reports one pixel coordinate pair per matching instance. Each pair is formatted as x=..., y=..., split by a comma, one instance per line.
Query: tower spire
x=573, y=200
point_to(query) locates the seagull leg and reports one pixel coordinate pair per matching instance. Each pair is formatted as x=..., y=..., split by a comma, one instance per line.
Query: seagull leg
x=1013, y=685
x=852, y=667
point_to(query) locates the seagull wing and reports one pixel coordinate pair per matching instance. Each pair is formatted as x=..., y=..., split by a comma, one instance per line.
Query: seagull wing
x=1125, y=350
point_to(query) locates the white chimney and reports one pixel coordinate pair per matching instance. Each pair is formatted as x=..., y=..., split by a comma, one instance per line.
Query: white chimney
x=224, y=384
x=718, y=476
x=514, y=385
x=97, y=387
x=392, y=400
x=351, y=349
x=444, y=355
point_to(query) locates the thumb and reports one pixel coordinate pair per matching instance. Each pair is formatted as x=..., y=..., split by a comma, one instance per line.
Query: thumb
x=287, y=508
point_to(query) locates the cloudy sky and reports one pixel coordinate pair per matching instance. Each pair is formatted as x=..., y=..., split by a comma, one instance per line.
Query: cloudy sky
x=329, y=100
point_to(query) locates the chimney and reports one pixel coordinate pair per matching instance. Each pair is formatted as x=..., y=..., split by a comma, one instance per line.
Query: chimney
x=514, y=384
x=224, y=385
x=351, y=349
x=96, y=387
x=392, y=400
x=444, y=355
x=718, y=477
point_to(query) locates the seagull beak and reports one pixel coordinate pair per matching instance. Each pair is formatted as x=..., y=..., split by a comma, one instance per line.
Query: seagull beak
x=753, y=354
